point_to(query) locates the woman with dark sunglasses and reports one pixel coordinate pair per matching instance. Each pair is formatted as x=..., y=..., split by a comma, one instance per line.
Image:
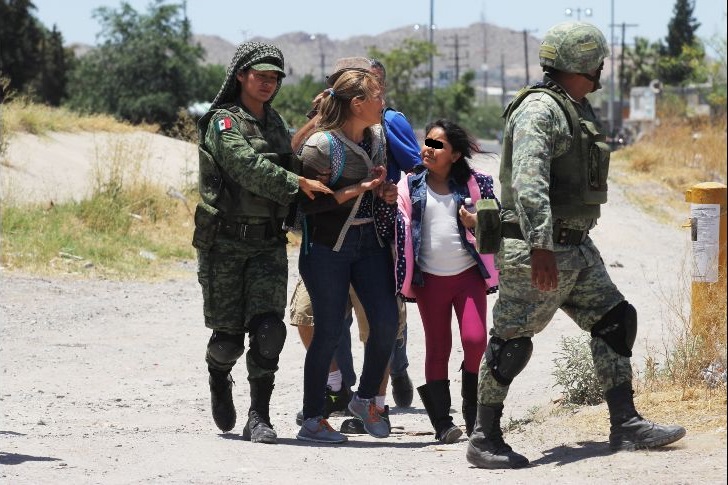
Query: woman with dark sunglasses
x=438, y=265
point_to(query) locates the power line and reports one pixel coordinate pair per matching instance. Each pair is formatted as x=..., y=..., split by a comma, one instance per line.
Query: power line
x=456, y=55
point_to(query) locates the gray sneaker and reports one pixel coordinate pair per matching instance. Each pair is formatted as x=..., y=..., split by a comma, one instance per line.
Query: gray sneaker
x=318, y=430
x=366, y=410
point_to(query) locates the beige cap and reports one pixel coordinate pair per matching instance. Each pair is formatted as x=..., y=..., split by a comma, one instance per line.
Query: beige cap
x=348, y=64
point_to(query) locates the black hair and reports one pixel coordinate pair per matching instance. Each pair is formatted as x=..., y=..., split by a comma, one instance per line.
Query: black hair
x=378, y=64
x=460, y=141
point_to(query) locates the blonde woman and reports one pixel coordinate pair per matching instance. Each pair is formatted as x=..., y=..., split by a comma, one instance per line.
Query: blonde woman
x=342, y=246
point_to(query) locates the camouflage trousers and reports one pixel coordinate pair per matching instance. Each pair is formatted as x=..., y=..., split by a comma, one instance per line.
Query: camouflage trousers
x=585, y=293
x=241, y=279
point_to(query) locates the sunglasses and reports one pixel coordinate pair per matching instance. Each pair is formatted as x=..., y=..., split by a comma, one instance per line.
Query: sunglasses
x=436, y=144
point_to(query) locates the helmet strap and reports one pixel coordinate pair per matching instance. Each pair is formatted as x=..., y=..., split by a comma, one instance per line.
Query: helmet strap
x=595, y=79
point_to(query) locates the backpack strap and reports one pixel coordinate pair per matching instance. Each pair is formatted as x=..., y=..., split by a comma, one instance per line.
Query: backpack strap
x=337, y=156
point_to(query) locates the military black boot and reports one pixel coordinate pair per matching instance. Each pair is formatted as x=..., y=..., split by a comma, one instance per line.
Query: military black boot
x=629, y=431
x=469, y=393
x=258, y=428
x=487, y=448
x=221, y=399
x=435, y=396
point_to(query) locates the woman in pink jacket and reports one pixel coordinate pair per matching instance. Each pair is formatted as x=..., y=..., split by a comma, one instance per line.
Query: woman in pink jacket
x=438, y=265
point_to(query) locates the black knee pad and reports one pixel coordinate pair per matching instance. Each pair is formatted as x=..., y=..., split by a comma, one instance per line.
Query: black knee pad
x=226, y=348
x=267, y=336
x=507, y=358
x=618, y=328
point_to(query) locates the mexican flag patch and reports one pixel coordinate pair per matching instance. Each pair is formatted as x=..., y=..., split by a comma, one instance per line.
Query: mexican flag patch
x=224, y=124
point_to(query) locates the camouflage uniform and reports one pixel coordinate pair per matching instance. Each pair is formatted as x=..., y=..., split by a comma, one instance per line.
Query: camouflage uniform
x=540, y=132
x=553, y=179
x=244, y=278
x=248, y=180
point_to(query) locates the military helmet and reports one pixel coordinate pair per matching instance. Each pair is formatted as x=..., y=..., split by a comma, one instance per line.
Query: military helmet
x=576, y=47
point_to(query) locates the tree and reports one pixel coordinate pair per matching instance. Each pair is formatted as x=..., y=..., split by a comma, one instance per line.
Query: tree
x=640, y=65
x=684, y=52
x=293, y=101
x=718, y=95
x=404, y=73
x=681, y=28
x=55, y=62
x=20, y=42
x=456, y=101
x=145, y=70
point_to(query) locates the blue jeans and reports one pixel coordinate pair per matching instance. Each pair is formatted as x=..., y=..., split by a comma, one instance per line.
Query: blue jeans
x=399, y=362
x=327, y=274
x=345, y=361
x=343, y=356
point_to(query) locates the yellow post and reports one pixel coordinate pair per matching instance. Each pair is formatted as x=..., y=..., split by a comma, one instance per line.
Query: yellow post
x=708, y=228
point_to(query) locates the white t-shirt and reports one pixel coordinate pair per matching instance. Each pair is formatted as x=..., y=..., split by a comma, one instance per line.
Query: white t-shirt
x=441, y=251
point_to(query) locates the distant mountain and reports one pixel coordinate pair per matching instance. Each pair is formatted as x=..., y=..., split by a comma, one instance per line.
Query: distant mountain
x=460, y=49
x=496, y=54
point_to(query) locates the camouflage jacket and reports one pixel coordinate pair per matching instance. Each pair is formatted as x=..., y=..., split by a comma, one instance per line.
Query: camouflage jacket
x=537, y=133
x=253, y=172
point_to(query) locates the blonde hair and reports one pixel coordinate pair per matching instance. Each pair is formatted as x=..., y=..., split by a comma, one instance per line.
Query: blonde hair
x=335, y=107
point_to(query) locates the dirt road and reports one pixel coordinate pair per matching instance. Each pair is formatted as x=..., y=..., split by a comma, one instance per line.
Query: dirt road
x=105, y=382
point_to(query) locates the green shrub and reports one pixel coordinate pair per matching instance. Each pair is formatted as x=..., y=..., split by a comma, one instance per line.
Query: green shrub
x=575, y=372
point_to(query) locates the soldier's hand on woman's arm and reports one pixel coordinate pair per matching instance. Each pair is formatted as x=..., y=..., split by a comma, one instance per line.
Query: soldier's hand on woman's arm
x=544, y=275
x=377, y=176
x=309, y=186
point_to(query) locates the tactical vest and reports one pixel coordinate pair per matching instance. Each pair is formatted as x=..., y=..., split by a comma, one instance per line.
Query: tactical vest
x=578, y=179
x=227, y=196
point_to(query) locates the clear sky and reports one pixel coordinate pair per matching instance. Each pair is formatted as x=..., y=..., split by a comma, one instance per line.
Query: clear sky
x=239, y=20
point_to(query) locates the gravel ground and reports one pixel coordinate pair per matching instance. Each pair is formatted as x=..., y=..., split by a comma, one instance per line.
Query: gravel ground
x=105, y=382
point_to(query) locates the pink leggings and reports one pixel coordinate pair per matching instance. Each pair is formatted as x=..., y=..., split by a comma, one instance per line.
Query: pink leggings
x=465, y=292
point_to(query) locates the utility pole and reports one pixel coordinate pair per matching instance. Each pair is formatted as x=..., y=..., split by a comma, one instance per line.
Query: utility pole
x=525, y=52
x=186, y=28
x=323, y=66
x=485, y=56
x=611, y=75
x=456, y=56
x=503, y=80
x=322, y=56
x=430, y=94
x=621, y=74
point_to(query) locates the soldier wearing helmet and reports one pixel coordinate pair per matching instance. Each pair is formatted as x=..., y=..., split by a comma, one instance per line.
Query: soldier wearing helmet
x=554, y=179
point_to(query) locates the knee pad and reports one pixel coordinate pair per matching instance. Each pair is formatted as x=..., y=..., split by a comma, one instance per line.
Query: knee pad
x=267, y=336
x=226, y=348
x=507, y=358
x=618, y=328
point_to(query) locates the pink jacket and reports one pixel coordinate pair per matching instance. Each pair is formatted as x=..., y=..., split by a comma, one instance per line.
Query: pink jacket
x=404, y=247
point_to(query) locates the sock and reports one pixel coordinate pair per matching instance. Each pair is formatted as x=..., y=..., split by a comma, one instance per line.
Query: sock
x=334, y=381
x=380, y=401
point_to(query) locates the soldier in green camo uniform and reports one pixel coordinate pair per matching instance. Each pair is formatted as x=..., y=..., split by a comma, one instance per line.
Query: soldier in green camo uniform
x=248, y=180
x=554, y=179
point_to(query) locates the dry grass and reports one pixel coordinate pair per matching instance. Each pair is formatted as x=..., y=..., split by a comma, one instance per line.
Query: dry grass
x=130, y=227
x=697, y=409
x=19, y=115
x=659, y=168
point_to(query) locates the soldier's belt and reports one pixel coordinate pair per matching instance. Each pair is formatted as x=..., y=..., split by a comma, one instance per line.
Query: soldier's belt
x=561, y=235
x=248, y=231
